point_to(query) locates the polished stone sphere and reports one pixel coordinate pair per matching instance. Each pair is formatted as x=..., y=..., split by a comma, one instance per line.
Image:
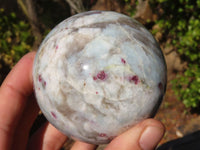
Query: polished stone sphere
x=97, y=74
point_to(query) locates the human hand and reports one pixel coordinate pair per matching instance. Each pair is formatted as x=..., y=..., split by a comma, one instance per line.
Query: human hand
x=18, y=110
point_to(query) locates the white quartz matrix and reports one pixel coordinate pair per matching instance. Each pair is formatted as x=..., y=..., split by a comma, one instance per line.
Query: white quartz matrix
x=97, y=74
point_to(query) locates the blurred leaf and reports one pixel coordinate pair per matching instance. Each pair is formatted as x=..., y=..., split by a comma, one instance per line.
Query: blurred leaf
x=15, y=38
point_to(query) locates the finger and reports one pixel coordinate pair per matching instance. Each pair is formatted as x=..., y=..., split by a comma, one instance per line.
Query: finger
x=83, y=146
x=47, y=138
x=23, y=129
x=144, y=136
x=13, y=93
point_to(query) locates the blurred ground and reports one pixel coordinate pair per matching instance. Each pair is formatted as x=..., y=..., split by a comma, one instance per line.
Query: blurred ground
x=175, y=116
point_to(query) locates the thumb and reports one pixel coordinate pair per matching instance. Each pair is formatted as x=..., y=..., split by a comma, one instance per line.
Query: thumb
x=143, y=136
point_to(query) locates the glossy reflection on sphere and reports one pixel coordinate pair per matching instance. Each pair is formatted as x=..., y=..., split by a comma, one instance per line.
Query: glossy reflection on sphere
x=97, y=74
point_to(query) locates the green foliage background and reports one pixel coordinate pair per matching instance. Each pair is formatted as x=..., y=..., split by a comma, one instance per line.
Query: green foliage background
x=180, y=21
x=15, y=39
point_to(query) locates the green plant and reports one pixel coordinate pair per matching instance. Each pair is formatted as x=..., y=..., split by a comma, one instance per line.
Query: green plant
x=15, y=38
x=131, y=6
x=179, y=21
x=188, y=86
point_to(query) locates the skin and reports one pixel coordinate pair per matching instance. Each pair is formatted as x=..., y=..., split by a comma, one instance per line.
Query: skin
x=18, y=110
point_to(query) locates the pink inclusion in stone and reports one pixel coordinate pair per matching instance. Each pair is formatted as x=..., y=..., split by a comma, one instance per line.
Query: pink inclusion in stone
x=134, y=79
x=101, y=75
x=102, y=134
x=40, y=78
x=56, y=47
x=123, y=60
x=94, y=78
x=54, y=115
x=42, y=81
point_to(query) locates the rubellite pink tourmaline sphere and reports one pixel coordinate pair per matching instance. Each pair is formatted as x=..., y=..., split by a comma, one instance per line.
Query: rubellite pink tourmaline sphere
x=97, y=74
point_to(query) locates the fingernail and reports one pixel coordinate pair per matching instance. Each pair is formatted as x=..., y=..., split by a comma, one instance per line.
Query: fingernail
x=150, y=137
